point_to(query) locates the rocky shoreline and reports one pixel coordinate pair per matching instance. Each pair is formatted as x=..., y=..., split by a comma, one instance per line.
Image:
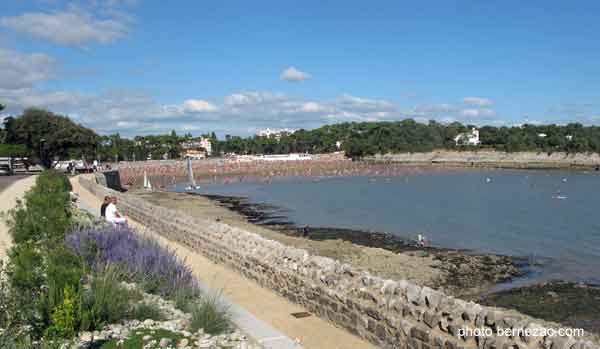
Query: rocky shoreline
x=465, y=273
x=572, y=304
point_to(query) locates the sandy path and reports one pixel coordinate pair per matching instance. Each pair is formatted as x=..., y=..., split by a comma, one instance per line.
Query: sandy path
x=8, y=200
x=313, y=332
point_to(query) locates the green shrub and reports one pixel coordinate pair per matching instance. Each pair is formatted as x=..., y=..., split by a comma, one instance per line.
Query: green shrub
x=64, y=316
x=143, y=311
x=45, y=215
x=184, y=297
x=61, y=270
x=210, y=315
x=9, y=309
x=106, y=301
x=45, y=277
x=26, y=269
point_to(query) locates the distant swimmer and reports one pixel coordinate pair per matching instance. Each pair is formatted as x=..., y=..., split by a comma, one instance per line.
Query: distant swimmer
x=488, y=180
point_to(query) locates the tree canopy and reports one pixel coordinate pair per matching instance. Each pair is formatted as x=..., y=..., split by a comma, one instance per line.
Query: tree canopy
x=368, y=138
x=47, y=135
x=40, y=133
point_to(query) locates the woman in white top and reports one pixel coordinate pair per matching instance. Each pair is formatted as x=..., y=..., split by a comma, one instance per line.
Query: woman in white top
x=112, y=214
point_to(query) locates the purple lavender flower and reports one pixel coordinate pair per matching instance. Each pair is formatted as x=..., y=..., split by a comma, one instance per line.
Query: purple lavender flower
x=157, y=269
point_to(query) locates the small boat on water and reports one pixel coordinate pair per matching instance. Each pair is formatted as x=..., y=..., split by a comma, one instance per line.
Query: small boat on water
x=192, y=182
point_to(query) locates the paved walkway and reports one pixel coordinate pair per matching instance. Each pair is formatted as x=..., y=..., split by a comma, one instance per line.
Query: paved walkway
x=260, y=308
x=15, y=189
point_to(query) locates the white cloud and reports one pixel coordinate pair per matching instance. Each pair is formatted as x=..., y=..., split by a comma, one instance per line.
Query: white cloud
x=364, y=104
x=311, y=107
x=114, y=3
x=478, y=101
x=253, y=98
x=71, y=28
x=294, y=75
x=198, y=106
x=21, y=70
x=477, y=113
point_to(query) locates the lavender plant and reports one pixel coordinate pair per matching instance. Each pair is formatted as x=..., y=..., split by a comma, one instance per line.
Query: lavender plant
x=142, y=260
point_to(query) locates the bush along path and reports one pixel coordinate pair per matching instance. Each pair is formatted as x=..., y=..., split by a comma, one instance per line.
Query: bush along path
x=72, y=282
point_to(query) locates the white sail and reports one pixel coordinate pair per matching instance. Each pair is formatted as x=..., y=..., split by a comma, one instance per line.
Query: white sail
x=190, y=172
x=147, y=184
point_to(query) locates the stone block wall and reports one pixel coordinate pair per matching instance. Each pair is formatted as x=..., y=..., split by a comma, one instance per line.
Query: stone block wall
x=496, y=158
x=391, y=314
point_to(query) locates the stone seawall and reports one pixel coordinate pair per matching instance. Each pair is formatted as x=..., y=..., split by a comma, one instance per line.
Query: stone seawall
x=497, y=159
x=392, y=314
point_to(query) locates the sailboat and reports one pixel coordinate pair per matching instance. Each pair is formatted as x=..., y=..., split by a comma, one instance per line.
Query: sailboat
x=147, y=184
x=192, y=182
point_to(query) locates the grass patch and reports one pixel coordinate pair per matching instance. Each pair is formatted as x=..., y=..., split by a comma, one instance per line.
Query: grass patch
x=210, y=315
x=143, y=311
x=136, y=340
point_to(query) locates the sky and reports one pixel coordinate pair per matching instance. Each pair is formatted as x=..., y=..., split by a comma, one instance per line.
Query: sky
x=234, y=67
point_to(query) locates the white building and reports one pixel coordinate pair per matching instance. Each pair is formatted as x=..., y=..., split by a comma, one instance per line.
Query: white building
x=274, y=157
x=569, y=137
x=202, y=143
x=542, y=135
x=468, y=138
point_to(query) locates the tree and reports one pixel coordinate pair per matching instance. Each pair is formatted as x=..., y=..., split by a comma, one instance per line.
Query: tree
x=47, y=135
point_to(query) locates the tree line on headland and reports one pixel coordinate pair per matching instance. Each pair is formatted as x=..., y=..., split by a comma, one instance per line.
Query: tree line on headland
x=43, y=135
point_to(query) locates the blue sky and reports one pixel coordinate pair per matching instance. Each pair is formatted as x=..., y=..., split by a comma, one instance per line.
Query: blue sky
x=141, y=66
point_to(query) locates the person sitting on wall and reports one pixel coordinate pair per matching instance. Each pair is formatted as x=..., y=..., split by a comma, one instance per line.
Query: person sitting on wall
x=112, y=215
x=107, y=201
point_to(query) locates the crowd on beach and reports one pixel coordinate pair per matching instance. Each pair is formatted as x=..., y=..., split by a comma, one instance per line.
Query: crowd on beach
x=226, y=172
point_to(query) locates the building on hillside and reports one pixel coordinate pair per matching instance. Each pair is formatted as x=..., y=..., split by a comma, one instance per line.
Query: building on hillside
x=203, y=144
x=569, y=138
x=468, y=138
x=275, y=133
x=542, y=135
x=194, y=154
